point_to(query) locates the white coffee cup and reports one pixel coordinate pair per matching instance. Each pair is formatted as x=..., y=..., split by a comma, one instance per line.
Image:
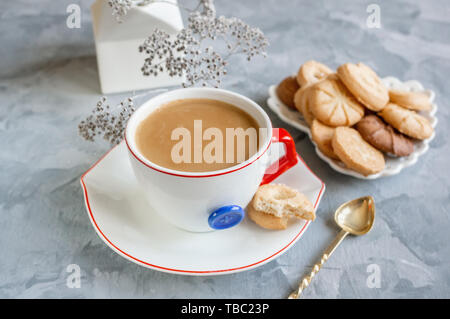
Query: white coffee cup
x=194, y=201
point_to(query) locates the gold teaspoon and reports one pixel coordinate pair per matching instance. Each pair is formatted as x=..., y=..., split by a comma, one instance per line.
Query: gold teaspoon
x=355, y=217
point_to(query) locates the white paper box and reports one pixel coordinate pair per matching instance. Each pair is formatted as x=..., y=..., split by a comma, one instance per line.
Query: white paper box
x=117, y=44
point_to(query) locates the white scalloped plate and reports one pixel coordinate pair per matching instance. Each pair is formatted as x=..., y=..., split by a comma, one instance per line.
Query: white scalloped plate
x=393, y=164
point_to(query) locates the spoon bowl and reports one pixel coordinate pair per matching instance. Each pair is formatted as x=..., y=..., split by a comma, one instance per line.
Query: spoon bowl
x=356, y=216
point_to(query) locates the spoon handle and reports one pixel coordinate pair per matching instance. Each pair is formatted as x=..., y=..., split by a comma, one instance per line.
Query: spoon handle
x=328, y=252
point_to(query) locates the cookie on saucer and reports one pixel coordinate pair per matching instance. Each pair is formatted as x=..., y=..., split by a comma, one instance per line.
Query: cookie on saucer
x=311, y=72
x=282, y=201
x=322, y=135
x=365, y=85
x=417, y=101
x=383, y=137
x=286, y=91
x=265, y=220
x=274, y=204
x=356, y=153
x=332, y=104
x=406, y=121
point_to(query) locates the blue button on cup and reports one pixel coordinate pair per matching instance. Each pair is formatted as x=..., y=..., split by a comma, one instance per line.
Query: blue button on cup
x=226, y=217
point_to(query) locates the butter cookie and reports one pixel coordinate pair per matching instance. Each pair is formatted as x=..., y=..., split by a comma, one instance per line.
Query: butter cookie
x=265, y=220
x=333, y=104
x=302, y=103
x=286, y=91
x=311, y=72
x=416, y=101
x=322, y=135
x=406, y=121
x=282, y=201
x=365, y=85
x=356, y=153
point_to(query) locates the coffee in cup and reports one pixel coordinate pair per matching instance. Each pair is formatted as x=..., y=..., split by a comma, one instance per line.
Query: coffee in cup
x=198, y=135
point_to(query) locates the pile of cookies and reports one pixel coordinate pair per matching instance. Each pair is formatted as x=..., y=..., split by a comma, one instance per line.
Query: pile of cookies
x=353, y=117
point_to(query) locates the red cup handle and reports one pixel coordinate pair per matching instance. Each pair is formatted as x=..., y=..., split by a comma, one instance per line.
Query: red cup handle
x=280, y=135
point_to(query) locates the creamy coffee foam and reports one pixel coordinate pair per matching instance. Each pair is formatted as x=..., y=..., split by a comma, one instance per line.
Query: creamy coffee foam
x=198, y=135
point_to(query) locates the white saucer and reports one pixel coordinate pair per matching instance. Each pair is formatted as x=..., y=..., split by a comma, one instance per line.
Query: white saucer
x=126, y=223
x=393, y=164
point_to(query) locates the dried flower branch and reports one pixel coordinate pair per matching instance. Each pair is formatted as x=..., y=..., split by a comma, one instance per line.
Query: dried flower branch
x=182, y=55
x=186, y=54
x=107, y=121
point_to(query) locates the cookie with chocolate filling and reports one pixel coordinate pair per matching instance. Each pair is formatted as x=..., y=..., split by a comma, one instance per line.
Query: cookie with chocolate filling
x=384, y=137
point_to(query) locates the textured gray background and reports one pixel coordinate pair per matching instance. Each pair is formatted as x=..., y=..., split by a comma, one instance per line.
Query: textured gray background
x=48, y=82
